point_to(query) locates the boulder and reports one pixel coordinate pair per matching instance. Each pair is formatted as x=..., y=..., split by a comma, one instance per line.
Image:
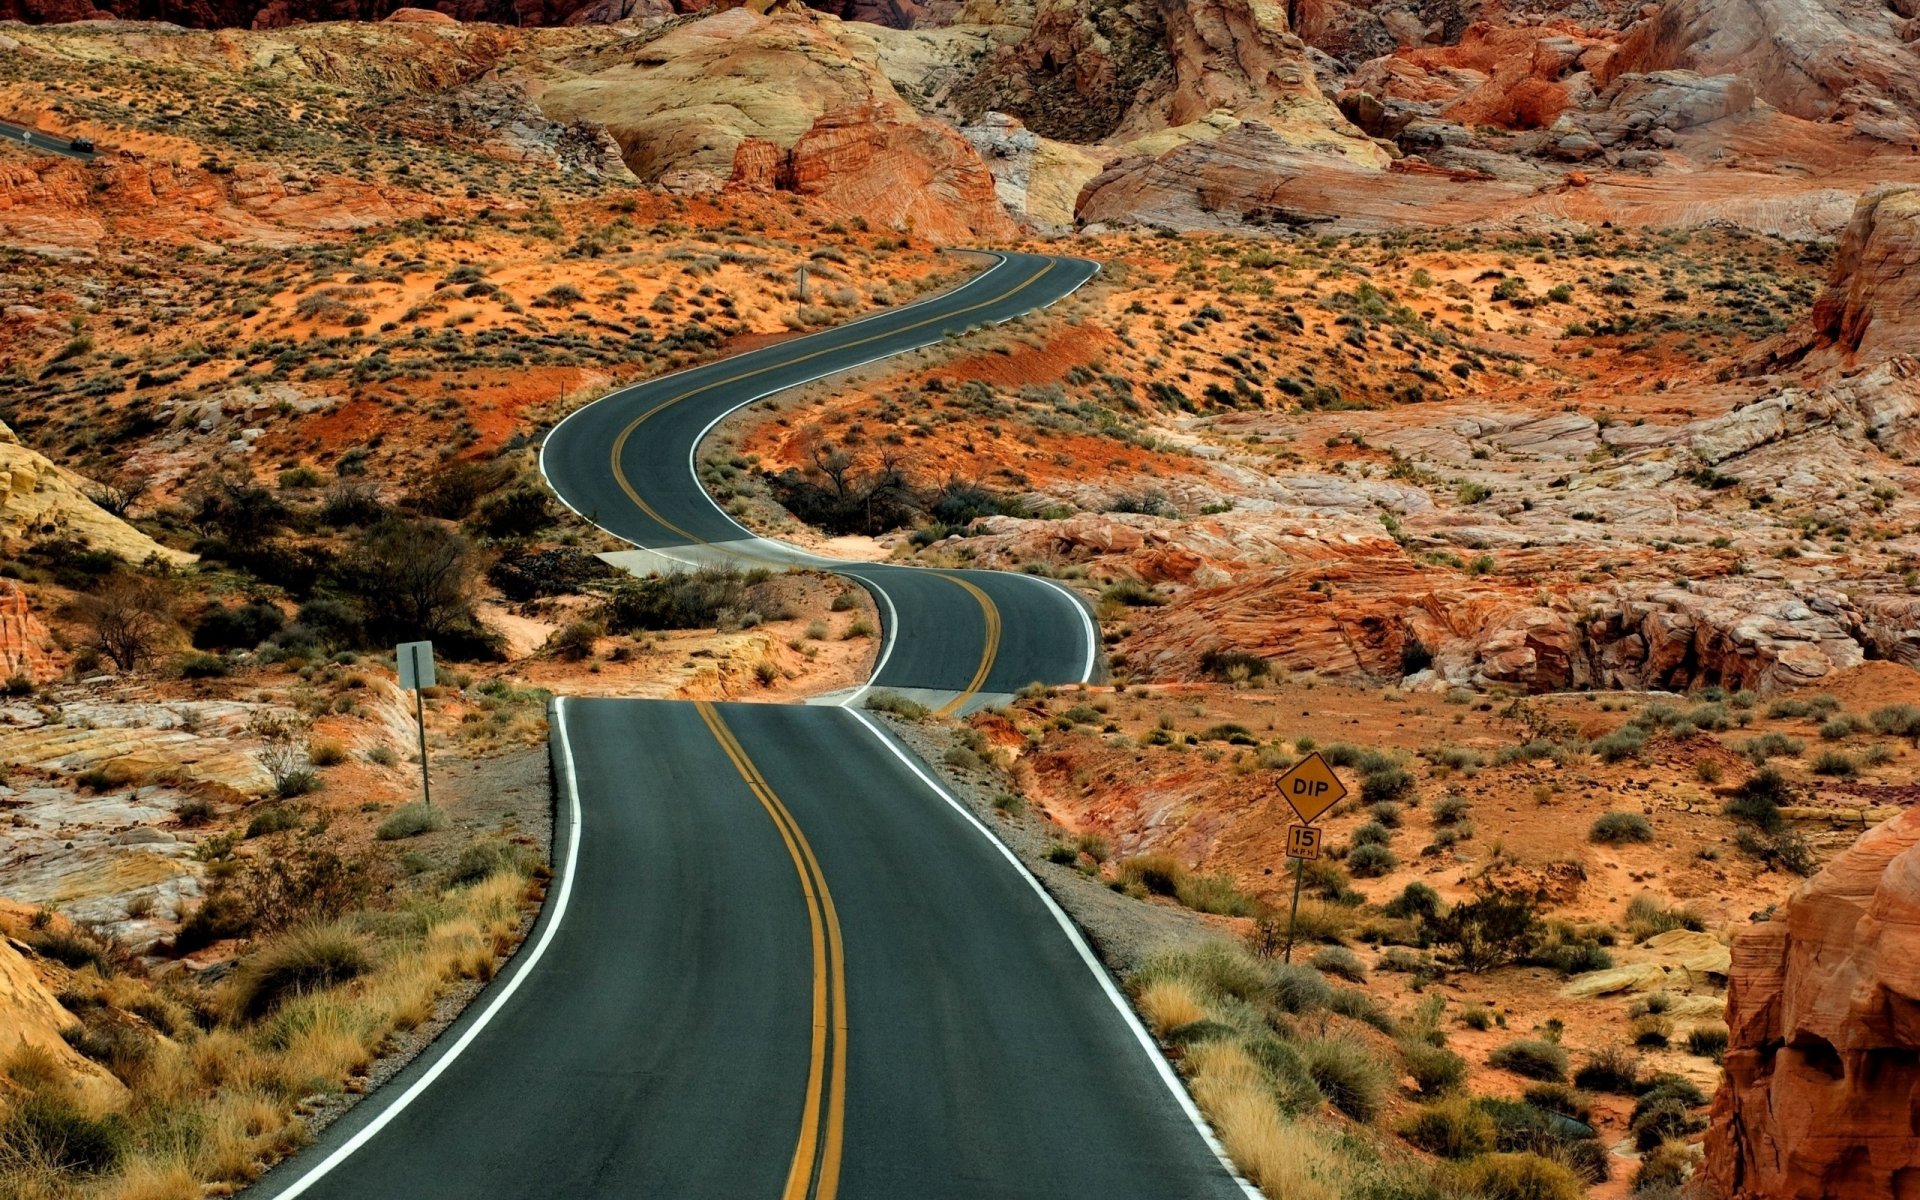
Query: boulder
x=25, y=644
x=1824, y=1009
x=38, y=497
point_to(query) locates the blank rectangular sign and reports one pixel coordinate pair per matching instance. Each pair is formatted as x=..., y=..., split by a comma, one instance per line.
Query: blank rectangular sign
x=416, y=665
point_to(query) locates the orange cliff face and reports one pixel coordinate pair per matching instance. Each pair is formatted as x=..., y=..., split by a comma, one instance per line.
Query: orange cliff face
x=1824, y=1010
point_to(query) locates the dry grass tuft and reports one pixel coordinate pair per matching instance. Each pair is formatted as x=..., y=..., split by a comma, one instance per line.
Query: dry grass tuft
x=1168, y=1004
x=1285, y=1158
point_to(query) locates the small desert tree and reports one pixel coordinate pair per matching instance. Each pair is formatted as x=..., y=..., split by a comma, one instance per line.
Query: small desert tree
x=1491, y=930
x=131, y=616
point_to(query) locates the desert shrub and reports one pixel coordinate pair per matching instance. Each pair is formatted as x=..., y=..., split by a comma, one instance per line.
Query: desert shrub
x=272, y=819
x=1451, y=1128
x=1373, y=833
x=485, y=859
x=1623, y=743
x=1613, y=828
x=575, y=641
x=1434, y=1069
x=1835, y=763
x=1841, y=726
x=1612, y=1069
x=74, y=948
x=1385, y=781
x=695, y=599
x=1758, y=799
x=410, y=820
x=242, y=628
x=1488, y=931
x=1348, y=1074
x=1215, y=969
x=1340, y=961
x=1369, y=861
x=220, y=916
x=326, y=752
x=48, y=1133
x=1560, y=1098
x=1234, y=665
x=1897, y=720
x=1477, y=1016
x=1450, y=810
x=1771, y=745
x=1526, y=1127
x=1647, y=916
x=1569, y=950
x=898, y=705
x=1651, y=1030
x=1385, y=812
x=1518, y=1177
x=1708, y=1041
x=1414, y=900
x=307, y=959
x=1783, y=848
x=1666, y=1167
x=1656, y=1120
x=1531, y=1058
x=1298, y=989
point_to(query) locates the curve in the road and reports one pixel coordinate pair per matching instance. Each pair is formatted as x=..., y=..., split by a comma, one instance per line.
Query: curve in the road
x=789, y=962
x=50, y=143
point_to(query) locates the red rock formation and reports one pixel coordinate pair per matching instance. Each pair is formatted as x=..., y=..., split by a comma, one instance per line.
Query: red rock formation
x=906, y=175
x=1824, y=1007
x=273, y=14
x=24, y=641
x=1817, y=59
x=1871, y=307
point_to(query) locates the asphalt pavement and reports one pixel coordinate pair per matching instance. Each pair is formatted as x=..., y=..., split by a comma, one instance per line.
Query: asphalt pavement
x=21, y=135
x=778, y=959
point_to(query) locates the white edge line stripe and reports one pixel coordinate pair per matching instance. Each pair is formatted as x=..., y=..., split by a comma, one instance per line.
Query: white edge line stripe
x=1164, y=1068
x=523, y=967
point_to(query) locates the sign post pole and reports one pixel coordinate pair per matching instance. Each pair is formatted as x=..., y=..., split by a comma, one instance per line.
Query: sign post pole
x=1310, y=788
x=415, y=660
x=1299, y=874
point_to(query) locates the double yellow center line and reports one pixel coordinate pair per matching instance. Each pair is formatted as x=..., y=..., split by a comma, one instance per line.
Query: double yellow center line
x=620, y=442
x=815, y=1173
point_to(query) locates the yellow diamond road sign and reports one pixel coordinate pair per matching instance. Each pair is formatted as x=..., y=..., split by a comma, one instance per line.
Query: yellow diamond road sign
x=1311, y=787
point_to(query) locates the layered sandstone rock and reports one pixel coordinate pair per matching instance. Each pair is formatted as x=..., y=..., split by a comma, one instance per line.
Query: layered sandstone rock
x=38, y=499
x=1824, y=1010
x=784, y=100
x=1871, y=307
x=1817, y=59
x=25, y=644
x=31, y=1018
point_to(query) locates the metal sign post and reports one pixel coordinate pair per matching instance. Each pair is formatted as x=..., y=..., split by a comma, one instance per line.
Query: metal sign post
x=1310, y=788
x=415, y=660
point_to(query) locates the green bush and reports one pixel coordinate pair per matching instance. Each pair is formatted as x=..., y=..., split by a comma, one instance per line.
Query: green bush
x=1772, y=745
x=1708, y=1041
x=1665, y=1168
x=1897, y=720
x=1531, y=1058
x=1387, y=781
x=1371, y=861
x=272, y=819
x=1614, y=1069
x=1348, y=1074
x=73, y=948
x=898, y=705
x=1298, y=989
x=1385, y=812
x=1373, y=833
x=1623, y=743
x=410, y=820
x=1435, y=1069
x=1614, y=827
x=45, y=1132
x=1488, y=931
x=1518, y=1177
x=306, y=959
x=1450, y=810
x=1836, y=764
x=483, y=860
x=1414, y=900
x=1339, y=961
x=1452, y=1128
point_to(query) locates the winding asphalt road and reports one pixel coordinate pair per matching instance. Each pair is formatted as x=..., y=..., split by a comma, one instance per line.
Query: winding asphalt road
x=21, y=135
x=781, y=961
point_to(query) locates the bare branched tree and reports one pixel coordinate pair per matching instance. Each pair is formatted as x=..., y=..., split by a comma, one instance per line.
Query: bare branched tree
x=131, y=616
